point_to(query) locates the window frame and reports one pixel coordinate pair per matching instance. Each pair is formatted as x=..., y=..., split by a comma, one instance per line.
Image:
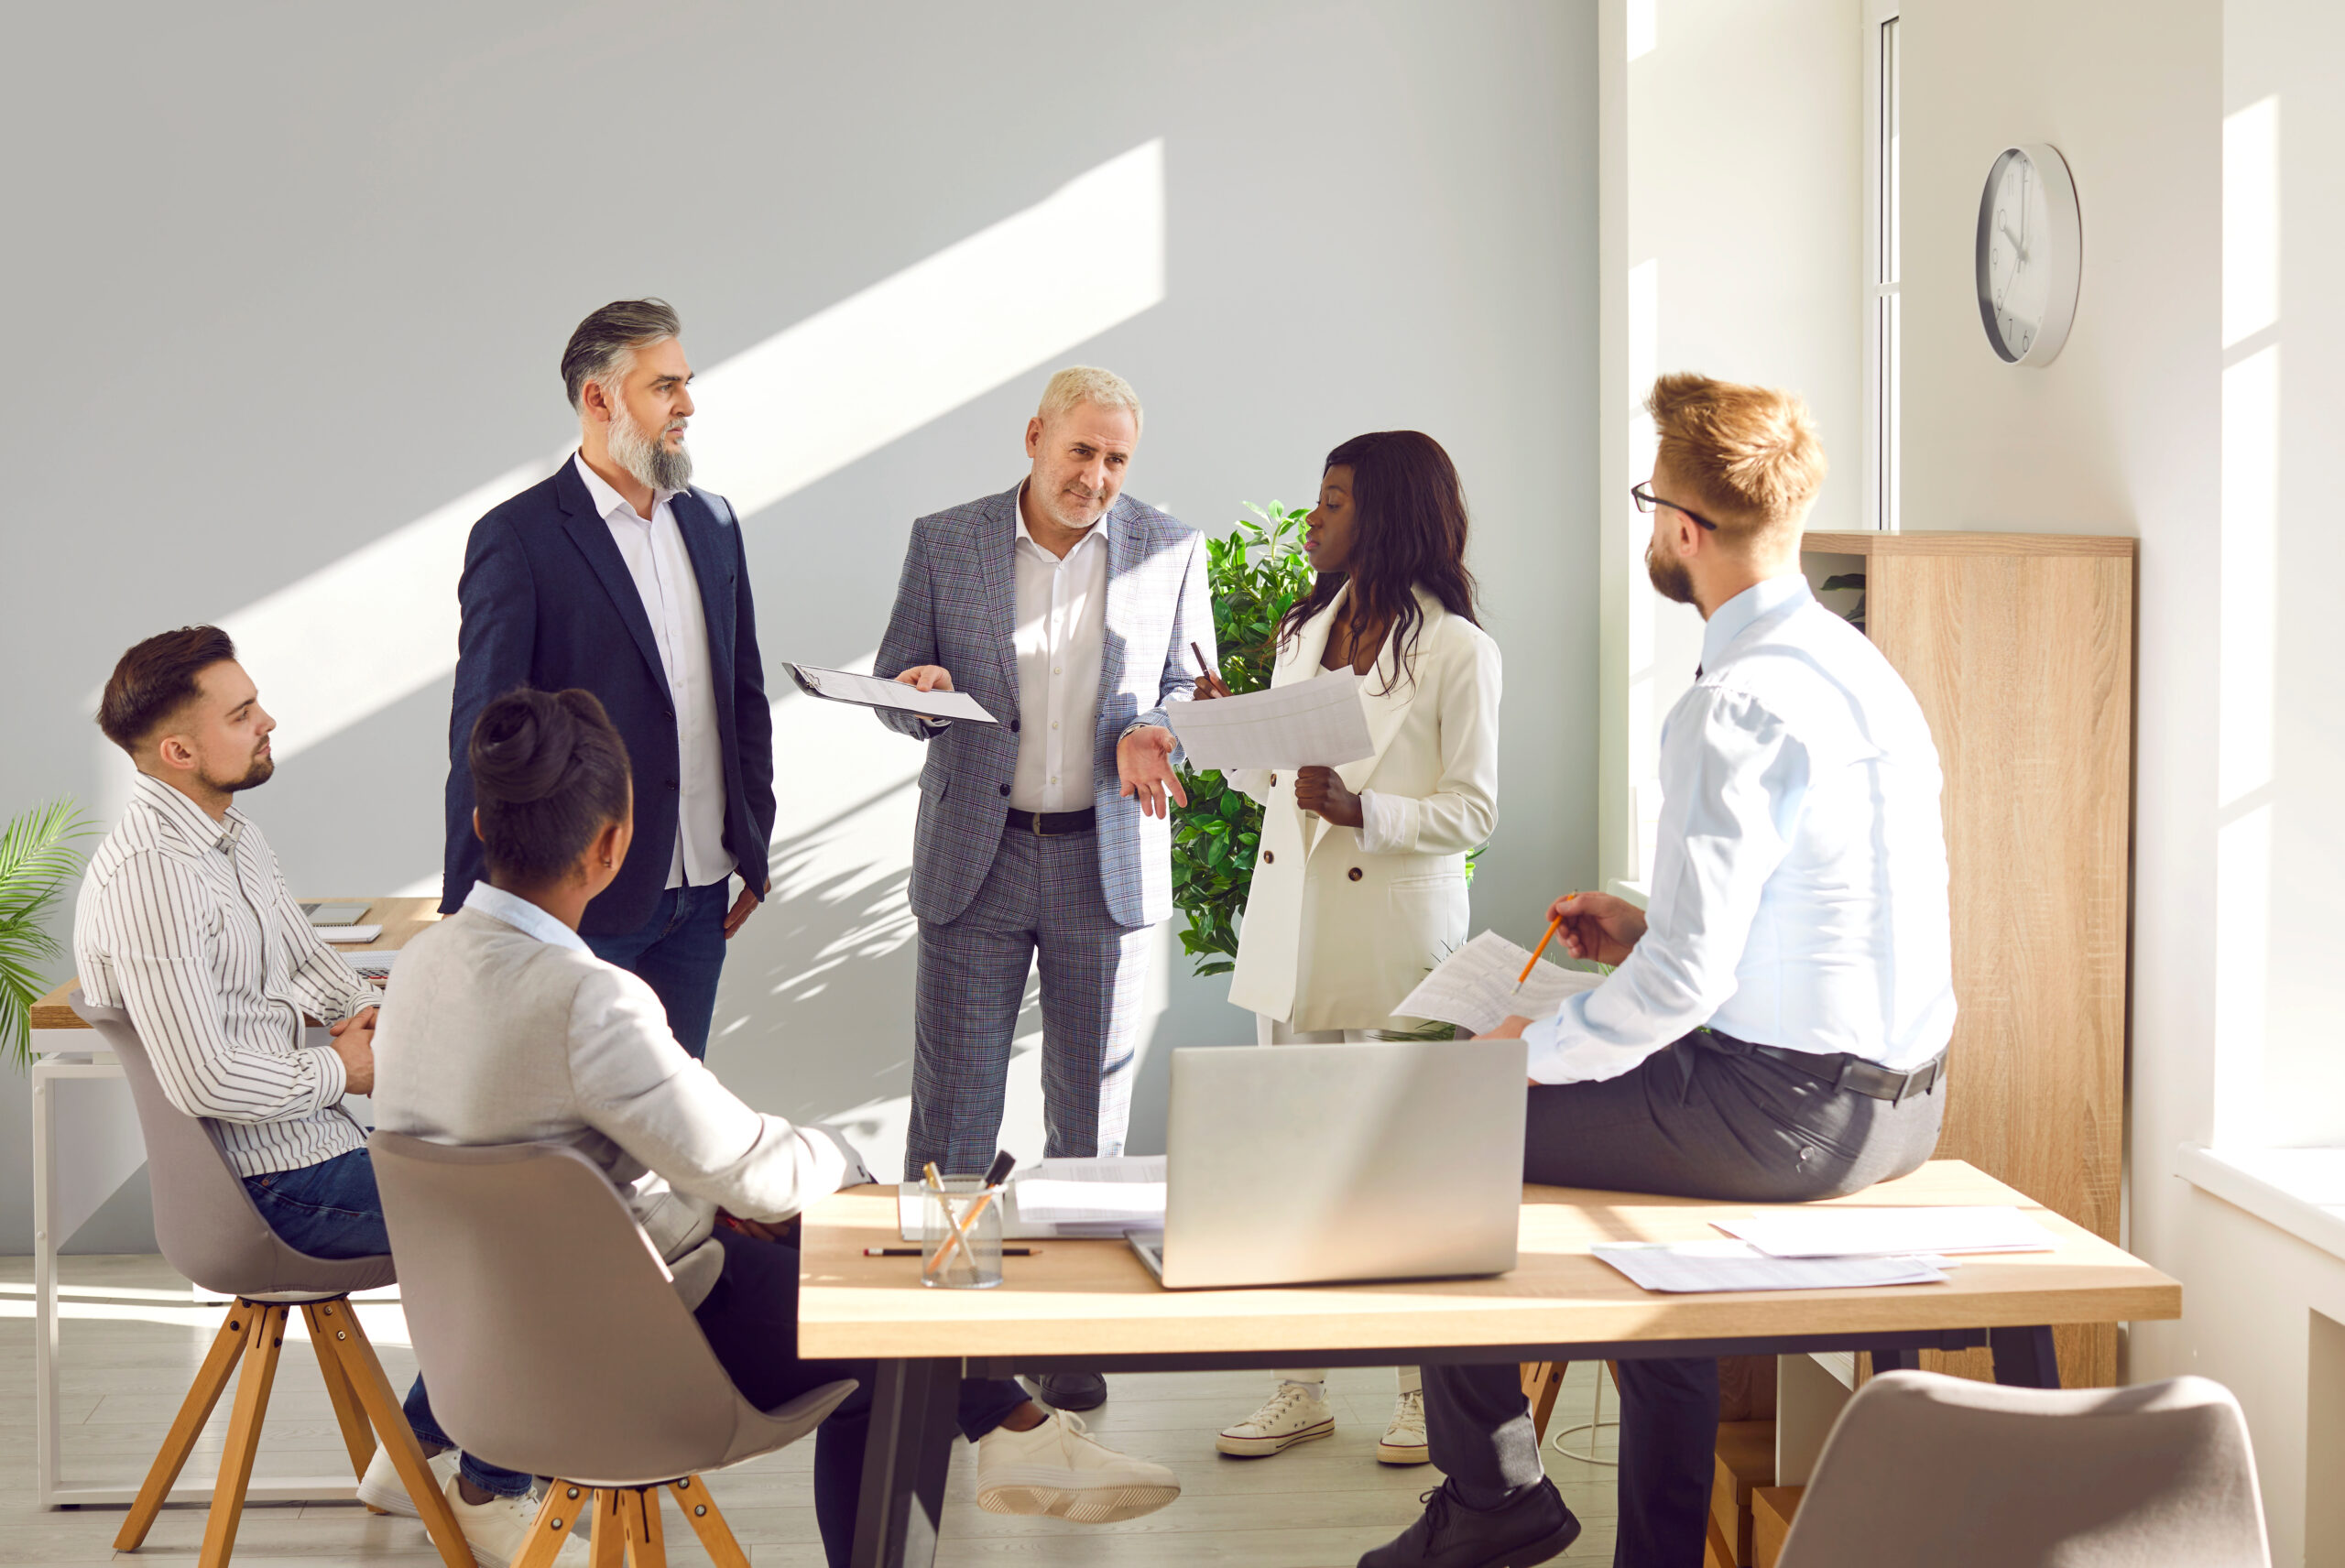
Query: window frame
x=1882, y=293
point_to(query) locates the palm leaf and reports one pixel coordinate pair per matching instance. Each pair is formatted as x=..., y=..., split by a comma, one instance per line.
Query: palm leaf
x=36, y=859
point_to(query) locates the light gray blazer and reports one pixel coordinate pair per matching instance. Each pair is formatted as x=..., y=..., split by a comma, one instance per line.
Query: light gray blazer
x=955, y=605
x=488, y=1035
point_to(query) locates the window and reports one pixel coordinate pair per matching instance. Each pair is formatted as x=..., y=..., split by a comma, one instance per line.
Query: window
x=1881, y=302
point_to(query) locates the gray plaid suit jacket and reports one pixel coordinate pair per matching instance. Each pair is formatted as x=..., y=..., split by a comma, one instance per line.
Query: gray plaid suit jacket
x=956, y=606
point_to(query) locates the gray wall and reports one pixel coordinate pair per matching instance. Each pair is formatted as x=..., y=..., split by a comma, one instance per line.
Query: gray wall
x=301, y=277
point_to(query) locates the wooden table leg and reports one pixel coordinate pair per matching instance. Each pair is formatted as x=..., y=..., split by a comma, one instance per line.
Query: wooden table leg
x=202, y=1397
x=364, y=1371
x=700, y=1511
x=262, y=1347
x=356, y=1435
x=2024, y=1357
x=912, y=1422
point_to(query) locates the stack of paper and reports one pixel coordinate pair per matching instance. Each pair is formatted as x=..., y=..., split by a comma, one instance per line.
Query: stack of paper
x=1067, y=1199
x=1696, y=1266
x=1833, y=1232
x=1475, y=986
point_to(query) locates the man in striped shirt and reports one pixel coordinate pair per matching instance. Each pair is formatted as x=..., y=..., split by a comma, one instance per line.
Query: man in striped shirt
x=186, y=924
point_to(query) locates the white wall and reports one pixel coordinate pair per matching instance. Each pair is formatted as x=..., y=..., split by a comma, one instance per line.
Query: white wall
x=301, y=286
x=2150, y=424
x=1742, y=160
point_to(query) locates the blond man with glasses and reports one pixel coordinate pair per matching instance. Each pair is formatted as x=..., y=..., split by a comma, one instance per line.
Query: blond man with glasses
x=1775, y=1028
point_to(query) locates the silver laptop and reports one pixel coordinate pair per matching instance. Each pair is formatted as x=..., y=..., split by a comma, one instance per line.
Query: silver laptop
x=1305, y=1164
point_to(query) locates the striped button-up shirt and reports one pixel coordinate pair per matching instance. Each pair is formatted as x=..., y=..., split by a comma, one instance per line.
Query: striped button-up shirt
x=187, y=924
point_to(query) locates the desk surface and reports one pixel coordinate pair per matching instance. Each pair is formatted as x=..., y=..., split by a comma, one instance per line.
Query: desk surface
x=399, y=918
x=1095, y=1298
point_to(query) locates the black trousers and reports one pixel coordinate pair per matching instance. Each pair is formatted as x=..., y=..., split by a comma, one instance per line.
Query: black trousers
x=1705, y=1118
x=751, y=1321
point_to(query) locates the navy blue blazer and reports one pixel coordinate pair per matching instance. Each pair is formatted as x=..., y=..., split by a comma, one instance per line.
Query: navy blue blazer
x=548, y=602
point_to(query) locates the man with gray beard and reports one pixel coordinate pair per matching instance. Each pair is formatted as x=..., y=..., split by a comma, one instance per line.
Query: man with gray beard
x=619, y=576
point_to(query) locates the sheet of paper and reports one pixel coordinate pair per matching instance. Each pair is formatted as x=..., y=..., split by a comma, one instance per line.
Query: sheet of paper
x=1695, y=1266
x=870, y=691
x=1834, y=1232
x=1475, y=987
x=1319, y=722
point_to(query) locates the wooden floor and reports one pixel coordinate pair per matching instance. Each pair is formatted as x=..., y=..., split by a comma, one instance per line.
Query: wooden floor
x=131, y=1348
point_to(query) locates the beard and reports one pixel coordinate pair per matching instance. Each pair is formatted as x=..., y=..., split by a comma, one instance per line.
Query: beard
x=255, y=775
x=1670, y=578
x=647, y=456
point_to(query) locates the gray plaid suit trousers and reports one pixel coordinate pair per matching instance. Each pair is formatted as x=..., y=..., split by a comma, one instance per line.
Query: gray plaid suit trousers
x=1041, y=898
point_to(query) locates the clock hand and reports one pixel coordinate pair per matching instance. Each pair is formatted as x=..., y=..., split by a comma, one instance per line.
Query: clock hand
x=2015, y=244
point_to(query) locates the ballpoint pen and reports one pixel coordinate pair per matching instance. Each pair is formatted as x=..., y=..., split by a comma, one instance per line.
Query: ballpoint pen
x=1205, y=665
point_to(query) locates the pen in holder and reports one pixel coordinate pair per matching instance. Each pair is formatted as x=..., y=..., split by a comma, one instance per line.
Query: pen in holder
x=960, y=1233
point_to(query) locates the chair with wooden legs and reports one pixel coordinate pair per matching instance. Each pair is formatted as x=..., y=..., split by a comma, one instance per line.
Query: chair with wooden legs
x=563, y=1349
x=210, y=1231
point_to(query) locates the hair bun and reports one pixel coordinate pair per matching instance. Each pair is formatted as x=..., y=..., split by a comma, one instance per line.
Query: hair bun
x=523, y=744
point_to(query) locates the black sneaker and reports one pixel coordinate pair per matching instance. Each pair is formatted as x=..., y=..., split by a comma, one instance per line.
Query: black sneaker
x=1532, y=1528
x=1072, y=1390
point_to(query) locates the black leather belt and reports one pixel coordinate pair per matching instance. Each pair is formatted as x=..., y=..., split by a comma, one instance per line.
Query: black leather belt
x=1845, y=1072
x=1053, y=824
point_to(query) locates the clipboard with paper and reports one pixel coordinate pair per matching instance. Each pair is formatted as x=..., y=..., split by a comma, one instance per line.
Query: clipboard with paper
x=870, y=691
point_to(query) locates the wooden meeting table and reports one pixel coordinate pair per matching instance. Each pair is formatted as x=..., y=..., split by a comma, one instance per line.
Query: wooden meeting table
x=1091, y=1306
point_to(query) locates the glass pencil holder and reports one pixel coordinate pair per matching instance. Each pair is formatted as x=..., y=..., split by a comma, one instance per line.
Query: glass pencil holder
x=957, y=1253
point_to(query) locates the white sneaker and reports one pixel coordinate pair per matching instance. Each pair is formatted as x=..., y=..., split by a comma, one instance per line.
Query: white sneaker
x=1057, y=1469
x=382, y=1490
x=499, y=1528
x=1296, y=1413
x=1403, y=1442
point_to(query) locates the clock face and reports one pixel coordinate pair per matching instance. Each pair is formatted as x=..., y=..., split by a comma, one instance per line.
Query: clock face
x=2018, y=280
x=2029, y=251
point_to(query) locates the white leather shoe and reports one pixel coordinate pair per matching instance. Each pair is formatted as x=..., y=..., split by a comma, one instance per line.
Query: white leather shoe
x=382, y=1490
x=1296, y=1413
x=1057, y=1469
x=497, y=1529
x=1403, y=1442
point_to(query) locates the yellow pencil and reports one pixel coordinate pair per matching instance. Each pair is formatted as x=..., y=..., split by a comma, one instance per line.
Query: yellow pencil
x=1553, y=926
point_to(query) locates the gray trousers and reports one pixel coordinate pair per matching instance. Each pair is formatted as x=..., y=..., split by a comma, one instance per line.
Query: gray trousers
x=1705, y=1118
x=1041, y=900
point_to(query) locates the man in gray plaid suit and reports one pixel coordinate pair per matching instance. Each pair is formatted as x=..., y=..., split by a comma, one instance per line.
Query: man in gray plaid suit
x=1067, y=609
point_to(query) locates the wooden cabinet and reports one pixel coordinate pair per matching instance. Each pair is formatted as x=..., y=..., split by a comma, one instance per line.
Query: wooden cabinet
x=2019, y=648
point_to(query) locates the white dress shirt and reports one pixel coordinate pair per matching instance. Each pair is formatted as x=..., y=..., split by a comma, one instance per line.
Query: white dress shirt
x=1062, y=628
x=186, y=924
x=656, y=559
x=1799, y=890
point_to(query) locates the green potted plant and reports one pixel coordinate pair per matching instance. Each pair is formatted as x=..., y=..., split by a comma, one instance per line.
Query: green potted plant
x=37, y=860
x=1256, y=572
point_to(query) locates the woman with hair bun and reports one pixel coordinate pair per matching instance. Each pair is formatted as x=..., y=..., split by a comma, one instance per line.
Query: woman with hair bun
x=500, y=1026
x=1359, y=889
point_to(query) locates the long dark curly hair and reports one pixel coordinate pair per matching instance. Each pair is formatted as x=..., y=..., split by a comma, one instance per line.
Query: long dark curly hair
x=1409, y=533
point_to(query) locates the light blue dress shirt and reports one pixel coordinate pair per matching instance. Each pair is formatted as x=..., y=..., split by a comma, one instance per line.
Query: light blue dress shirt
x=523, y=916
x=1799, y=885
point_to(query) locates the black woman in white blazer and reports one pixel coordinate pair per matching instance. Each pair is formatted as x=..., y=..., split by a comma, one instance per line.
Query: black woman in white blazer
x=1359, y=887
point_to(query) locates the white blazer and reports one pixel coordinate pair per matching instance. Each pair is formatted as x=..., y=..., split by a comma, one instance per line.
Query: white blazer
x=1334, y=933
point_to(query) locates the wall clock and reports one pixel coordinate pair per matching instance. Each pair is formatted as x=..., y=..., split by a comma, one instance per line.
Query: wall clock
x=2030, y=253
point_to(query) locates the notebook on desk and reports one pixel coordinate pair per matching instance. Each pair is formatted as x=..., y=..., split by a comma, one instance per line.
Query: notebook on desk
x=1313, y=1164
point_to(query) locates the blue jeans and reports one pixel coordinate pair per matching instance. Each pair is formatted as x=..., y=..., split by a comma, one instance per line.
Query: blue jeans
x=680, y=953
x=330, y=1210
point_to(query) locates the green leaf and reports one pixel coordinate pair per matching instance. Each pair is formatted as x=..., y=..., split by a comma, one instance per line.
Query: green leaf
x=37, y=860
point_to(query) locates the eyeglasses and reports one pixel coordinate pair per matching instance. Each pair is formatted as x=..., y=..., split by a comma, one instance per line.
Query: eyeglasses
x=1646, y=501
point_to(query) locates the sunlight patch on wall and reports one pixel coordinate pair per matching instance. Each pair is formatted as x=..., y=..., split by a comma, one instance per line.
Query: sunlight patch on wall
x=346, y=642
